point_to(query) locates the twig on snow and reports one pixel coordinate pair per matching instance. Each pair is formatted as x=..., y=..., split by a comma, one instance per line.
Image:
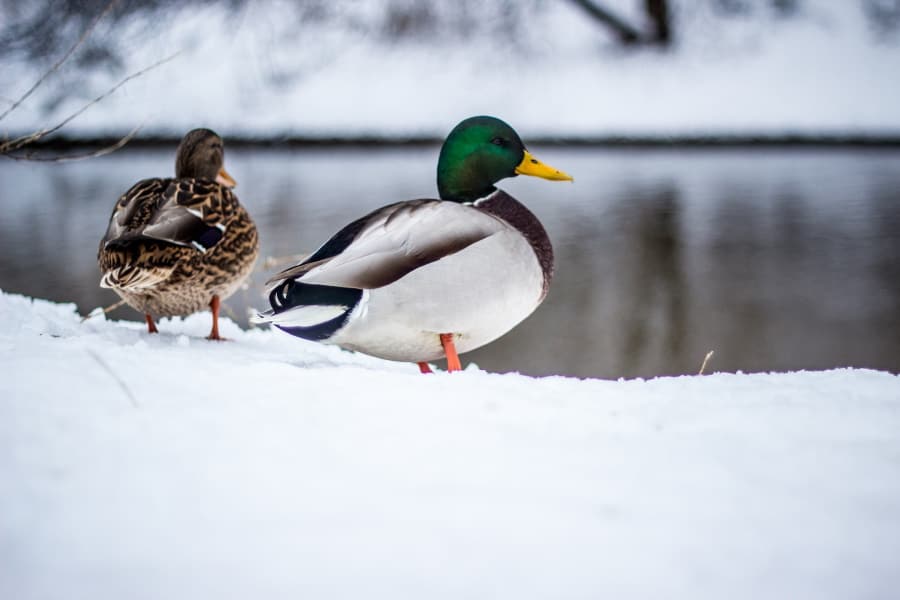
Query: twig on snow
x=103, y=311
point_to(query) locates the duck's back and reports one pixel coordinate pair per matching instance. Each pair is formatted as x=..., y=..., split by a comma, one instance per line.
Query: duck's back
x=171, y=244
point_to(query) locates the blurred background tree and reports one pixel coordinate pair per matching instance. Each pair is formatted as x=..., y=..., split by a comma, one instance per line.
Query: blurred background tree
x=39, y=29
x=39, y=32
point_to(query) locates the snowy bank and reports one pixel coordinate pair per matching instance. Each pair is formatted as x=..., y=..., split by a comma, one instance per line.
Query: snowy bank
x=139, y=466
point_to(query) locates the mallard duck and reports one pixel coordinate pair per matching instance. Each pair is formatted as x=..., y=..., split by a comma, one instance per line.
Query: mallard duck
x=176, y=246
x=421, y=280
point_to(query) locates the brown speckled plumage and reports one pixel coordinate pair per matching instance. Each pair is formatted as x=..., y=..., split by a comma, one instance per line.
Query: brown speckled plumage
x=174, y=244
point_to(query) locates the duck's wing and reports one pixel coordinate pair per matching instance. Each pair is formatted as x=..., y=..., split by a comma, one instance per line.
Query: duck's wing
x=392, y=241
x=134, y=209
x=193, y=213
x=184, y=212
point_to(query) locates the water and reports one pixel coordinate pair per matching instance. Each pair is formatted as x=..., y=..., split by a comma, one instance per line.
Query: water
x=774, y=259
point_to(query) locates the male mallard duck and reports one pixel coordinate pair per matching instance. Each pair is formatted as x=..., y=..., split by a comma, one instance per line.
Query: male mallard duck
x=423, y=279
x=175, y=246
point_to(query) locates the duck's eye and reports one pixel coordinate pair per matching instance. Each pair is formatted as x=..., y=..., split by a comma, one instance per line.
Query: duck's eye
x=499, y=141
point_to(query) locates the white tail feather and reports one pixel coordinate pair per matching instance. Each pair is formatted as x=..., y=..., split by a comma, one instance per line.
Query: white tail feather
x=127, y=278
x=303, y=316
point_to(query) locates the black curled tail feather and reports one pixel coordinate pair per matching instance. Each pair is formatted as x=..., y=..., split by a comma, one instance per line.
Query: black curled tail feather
x=293, y=295
x=278, y=297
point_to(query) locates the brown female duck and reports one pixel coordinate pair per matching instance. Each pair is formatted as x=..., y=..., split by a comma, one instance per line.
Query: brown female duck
x=177, y=245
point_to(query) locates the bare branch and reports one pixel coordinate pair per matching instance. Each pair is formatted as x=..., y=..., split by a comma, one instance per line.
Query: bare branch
x=87, y=33
x=6, y=148
x=73, y=157
x=658, y=12
x=627, y=34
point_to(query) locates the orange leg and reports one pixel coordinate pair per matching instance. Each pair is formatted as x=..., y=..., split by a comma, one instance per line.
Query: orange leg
x=453, y=363
x=424, y=368
x=214, y=307
x=151, y=326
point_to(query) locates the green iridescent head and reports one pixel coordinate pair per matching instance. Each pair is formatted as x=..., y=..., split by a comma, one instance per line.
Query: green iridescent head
x=481, y=151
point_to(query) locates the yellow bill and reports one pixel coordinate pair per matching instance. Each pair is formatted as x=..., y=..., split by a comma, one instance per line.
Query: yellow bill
x=532, y=166
x=225, y=179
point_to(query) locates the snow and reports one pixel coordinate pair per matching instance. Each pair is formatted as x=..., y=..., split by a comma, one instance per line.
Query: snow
x=138, y=466
x=265, y=71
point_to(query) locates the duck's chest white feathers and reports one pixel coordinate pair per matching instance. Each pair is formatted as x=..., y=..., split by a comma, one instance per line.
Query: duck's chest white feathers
x=478, y=294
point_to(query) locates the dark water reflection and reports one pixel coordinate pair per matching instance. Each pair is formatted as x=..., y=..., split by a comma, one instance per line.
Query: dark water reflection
x=776, y=260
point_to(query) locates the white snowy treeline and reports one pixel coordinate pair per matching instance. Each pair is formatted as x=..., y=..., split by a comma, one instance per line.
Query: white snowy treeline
x=270, y=68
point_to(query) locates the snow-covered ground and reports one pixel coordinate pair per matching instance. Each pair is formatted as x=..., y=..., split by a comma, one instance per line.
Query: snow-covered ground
x=137, y=466
x=265, y=71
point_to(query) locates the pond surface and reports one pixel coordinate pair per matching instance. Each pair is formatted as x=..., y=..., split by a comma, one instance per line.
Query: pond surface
x=774, y=259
